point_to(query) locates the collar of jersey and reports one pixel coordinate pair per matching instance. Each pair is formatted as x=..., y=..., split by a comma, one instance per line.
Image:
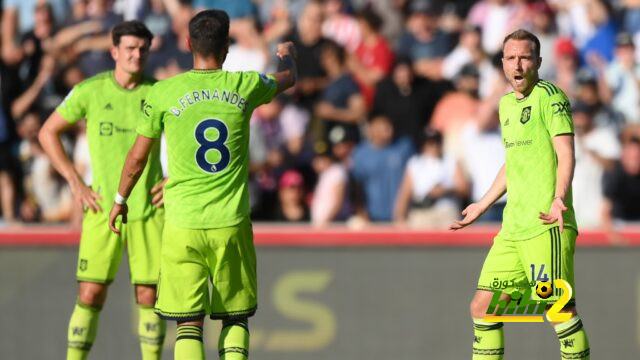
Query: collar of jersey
x=112, y=75
x=204, y=71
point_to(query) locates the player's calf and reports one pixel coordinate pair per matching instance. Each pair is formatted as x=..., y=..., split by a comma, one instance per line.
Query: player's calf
x=83, y=325
x=488, y=337
x=574, y=342
x=151, y=329
x=189, y=343
x=233, y=343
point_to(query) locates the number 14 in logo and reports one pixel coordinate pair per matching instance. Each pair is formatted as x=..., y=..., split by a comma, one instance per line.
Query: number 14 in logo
x=217, y=144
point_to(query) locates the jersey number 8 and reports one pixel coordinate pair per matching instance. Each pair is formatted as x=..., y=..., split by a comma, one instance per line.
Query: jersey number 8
x=217, y=144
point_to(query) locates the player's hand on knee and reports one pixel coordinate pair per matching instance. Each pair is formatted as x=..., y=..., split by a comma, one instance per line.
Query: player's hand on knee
x=117, y=210
x=157, y=193
x=471, y=213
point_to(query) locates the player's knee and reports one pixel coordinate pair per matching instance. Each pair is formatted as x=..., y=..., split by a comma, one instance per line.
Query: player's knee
x=478, y=308
x=92, y=294
x=145, y=294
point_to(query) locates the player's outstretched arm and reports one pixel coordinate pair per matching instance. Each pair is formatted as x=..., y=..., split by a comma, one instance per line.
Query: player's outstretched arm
x=287, y=69
x=133, y=168
x=564, y=148
x=475, y=210
x=49, y=137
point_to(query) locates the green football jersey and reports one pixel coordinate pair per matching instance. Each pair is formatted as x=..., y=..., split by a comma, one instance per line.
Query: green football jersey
x=112, y=114
x=205, y=116
x=528, y=127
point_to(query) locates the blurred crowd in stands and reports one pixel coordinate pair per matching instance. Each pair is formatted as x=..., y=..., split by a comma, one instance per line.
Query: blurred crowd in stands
x=393, y=119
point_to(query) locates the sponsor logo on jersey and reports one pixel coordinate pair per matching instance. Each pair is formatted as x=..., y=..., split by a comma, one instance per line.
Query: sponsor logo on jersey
x=108, y=107
x=106, y=128
x=562, y=107
x=525, y=115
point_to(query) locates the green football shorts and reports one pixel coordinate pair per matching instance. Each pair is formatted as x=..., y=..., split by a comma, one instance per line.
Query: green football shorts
x=512, y=263
x=193, y=257
x=101, y=250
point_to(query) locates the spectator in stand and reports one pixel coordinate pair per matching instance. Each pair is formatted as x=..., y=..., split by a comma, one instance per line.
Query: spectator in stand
x=588, y=93
x=373, y=59
x=36, y=42
x=249, y=51
x=423, y=42
x=457, y=108
x=482, y=156
x=543, y=25
x=378, y=166
x=597, y=150
x=340, y=26
x=427, y=196
x=566, y=66
x=408, y=100
x=45, y=190
x=173, y=56
x=619, y=81
x=17, y=20
x=292, y=205
x=308, y=40
x=469, y=51
x=329, y=202
x=341, y=101
x=600, y=46
x=496, y=18
x=41, y=92
x=622, y=185
x=235, y=9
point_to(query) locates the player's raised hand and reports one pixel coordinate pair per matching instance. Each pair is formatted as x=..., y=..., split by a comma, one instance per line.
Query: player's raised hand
x=85, y=196
x=157, y=193
x=471, y=213
x=286, y=48
x=554, y=214
x=117, y=210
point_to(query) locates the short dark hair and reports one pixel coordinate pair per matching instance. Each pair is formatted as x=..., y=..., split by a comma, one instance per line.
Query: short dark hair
x=371, y=17
x=337, y=50
x=209, y=32
x=134, y=28
x=521, y=34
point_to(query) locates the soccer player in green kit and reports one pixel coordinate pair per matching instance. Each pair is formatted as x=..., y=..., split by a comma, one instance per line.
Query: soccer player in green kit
x=111, y=103
x=205, y=115
x=538, y=235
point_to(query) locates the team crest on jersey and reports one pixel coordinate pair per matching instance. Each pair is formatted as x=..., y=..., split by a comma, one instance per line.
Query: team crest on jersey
x=525, y=115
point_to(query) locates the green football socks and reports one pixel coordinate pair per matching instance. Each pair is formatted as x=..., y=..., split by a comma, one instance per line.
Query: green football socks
x=574, y=343
x=151, y=330
x=488, y=340
x=233, y=343
x=189, y=344
x=83, y=327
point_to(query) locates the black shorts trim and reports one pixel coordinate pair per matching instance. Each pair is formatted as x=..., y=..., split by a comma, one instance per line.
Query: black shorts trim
x=192, y=316
x=97, y=281
x=234, y=314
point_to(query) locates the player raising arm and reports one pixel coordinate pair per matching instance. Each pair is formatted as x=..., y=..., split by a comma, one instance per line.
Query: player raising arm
x=111, y=104
x=538, y=235
x=205, y=115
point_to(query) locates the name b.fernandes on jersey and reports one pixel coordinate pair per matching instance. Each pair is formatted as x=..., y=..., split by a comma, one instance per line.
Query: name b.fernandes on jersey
x=193, y=97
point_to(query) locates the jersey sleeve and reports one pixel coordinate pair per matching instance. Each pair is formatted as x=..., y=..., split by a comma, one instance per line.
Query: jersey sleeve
x=151, y=125
x=264, y=89
x=557, y=115
x=74, y=106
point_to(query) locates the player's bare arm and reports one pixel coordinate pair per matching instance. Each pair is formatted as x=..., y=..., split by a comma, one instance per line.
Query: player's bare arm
x=133, y=168
x=49, y=137
x=475, y=210
x=564, y=148
x=287, y=69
